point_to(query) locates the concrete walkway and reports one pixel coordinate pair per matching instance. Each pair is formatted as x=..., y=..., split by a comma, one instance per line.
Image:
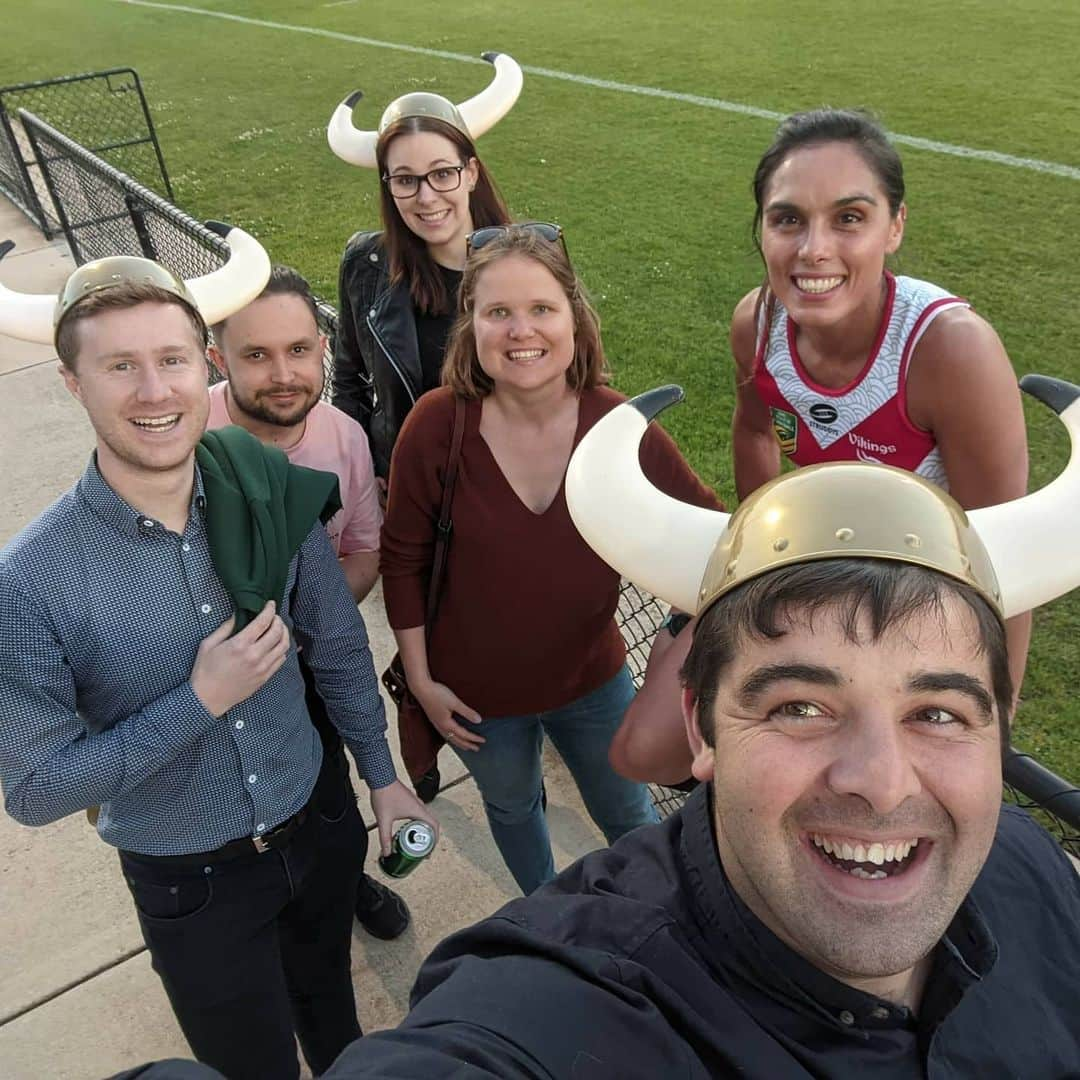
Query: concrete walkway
x=78, y=998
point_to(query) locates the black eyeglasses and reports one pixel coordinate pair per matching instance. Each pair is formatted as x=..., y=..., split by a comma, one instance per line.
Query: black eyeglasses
x=546, y=230
x=406, y=185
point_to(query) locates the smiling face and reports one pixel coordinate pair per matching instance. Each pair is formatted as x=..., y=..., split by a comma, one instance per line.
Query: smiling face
x=140, y=373
x=439, y=218
x=826, y=229
x=272, y=353
x=523, y=323
x=856, y=784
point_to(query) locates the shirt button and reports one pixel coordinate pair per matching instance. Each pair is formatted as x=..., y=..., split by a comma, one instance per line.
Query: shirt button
x=373, y=257
x=371, y=313
x=185, y=546
x=205, y=609
x=148, y=524
x=252, y=778
x=261, y=826
x=847, y=1018
x=239, y=724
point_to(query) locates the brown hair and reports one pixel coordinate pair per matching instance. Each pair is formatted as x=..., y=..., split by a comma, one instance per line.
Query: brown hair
x=461, y=367
x=125, y=294
x=283, y=281
x=888, y=593
x=407, y=253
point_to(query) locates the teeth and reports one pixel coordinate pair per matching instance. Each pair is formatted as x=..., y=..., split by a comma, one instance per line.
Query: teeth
x=525, y=354
x=156, y=421
x=876, y=853
x=818, y=285
x=867, y=875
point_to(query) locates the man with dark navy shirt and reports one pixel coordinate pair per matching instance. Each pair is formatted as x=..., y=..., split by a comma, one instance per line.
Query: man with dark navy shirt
x=844, y=895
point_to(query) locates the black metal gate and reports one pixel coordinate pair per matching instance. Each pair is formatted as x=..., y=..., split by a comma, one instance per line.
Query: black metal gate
x=103, y=111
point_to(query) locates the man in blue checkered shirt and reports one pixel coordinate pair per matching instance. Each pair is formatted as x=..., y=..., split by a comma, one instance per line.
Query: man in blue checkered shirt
x=123, y=686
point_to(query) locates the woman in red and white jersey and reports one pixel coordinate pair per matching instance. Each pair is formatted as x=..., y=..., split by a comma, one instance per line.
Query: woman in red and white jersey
x=838, y=359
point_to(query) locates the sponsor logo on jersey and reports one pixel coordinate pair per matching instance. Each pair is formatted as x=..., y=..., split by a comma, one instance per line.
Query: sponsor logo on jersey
x=866, y=447
x=824, y=414
x=862, y=455
x=785, y=427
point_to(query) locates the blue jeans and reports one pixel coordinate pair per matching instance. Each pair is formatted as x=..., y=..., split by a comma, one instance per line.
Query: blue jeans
x=507, y=770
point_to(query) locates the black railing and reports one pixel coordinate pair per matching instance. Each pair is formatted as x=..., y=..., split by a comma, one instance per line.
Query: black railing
x=103, y=211
x=104, y=111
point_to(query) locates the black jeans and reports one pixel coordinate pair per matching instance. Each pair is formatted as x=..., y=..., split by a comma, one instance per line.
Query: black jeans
x=253, y=948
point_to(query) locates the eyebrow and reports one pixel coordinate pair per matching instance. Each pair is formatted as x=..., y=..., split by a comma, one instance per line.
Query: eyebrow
x=758, y=681
x=256, y=346
x=432, y=165
x=938, y=681
x=133, y=354
x=846, y=200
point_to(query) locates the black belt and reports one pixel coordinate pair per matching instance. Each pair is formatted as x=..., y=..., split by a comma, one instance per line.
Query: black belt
x=277, y=838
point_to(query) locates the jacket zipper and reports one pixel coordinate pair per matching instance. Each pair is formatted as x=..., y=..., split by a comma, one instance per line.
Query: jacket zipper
x=393, y=363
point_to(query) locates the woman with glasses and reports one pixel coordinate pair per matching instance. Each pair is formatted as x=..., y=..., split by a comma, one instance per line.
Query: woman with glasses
x=525, y=640
x=398, y=286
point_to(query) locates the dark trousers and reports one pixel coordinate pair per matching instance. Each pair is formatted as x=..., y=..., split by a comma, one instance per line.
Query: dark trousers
x=253, y=948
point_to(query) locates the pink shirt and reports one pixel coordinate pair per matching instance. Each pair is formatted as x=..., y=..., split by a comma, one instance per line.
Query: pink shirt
x=332, y=442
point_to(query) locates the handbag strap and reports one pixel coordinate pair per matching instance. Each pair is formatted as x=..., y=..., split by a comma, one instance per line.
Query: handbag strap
x=445, y=525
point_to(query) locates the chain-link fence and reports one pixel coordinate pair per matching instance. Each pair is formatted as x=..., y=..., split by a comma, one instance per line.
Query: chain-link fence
x=104, y=111
x=103, y=211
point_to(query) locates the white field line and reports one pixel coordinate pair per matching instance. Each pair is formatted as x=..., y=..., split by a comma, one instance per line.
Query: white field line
x=995, y=157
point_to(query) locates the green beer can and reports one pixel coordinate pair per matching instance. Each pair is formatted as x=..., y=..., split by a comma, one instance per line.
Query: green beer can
x=413, y=842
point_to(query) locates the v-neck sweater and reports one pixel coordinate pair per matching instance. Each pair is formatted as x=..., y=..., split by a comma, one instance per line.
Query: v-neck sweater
x=526, y=612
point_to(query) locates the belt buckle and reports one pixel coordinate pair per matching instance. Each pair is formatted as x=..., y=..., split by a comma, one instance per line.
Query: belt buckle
x=260, y=844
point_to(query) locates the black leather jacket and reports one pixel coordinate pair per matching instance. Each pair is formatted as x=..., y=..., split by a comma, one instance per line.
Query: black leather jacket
x=377, y=373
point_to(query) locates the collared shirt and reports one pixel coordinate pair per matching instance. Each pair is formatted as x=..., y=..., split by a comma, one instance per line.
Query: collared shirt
x=640, y=961
x=335, y=443
x=102, y=611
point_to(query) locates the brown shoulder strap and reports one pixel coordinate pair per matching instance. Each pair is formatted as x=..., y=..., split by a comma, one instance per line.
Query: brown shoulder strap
x=445, y=525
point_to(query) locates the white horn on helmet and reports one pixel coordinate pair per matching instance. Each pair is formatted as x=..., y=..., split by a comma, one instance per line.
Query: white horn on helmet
x=655, y=541
x=1032, y=541
x=26, y=316
x=483, y=111
x=34, y=317
x=473, y=117
x=347, y=141
x=233, y=286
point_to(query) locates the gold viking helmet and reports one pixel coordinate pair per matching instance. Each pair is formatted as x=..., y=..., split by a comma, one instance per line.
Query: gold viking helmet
x=1018, y=555
x=472, y=118
x=215, y=296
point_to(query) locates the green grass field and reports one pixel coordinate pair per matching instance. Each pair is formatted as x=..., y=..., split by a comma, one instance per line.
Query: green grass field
x=653, y=192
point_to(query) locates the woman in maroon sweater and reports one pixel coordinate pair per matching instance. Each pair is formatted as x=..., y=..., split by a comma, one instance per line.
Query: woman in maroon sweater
x=525, y=639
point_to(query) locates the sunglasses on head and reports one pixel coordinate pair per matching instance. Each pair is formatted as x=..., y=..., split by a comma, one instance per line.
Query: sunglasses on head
x=546, y=230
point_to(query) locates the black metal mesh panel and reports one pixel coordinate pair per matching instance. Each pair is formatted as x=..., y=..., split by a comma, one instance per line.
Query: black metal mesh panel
x=639, y=616
x=103, y=111
x=105, y=212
